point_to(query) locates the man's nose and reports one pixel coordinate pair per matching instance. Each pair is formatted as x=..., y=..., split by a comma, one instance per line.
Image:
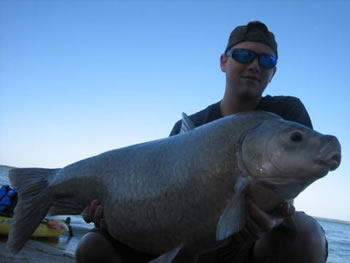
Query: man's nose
x=254, y=65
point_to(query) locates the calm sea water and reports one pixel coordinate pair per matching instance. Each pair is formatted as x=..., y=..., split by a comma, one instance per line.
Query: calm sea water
x=338, y=233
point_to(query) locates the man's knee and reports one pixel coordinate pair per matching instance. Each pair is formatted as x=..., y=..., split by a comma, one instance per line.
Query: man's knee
x=299, y=239
x=94, y=247
x=88, y=248
x=310, y=240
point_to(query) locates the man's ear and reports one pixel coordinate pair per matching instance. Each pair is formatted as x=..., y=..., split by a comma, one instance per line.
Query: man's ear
x=273, y=74
x=223, y=61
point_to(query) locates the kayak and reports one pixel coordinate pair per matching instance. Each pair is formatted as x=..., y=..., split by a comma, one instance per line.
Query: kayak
x=48, y=228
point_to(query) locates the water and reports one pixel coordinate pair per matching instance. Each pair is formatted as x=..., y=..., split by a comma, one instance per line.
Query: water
x=338, y=233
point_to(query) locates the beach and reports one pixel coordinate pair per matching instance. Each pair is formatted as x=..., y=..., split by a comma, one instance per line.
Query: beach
x=48, y=249
x=36, y=251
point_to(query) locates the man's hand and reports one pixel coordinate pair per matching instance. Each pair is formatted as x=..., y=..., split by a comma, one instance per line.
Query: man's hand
x=94, y=213
x=238, y=248
x=260, y=222
x=265, y=210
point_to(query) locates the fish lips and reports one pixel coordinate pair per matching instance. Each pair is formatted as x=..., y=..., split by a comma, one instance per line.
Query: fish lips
x=330, y=153
x=331, y=160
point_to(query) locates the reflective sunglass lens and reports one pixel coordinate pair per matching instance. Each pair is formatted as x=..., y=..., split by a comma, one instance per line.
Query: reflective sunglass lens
x=267, y=61
x=243, y=55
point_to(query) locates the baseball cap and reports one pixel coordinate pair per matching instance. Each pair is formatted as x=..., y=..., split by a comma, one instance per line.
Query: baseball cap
x=255, y=31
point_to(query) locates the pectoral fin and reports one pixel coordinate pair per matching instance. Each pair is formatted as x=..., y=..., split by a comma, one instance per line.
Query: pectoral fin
x=167, y=257
x=233, y=218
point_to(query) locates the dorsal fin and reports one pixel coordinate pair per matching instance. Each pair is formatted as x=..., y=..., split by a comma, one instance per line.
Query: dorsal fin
x=186, y=125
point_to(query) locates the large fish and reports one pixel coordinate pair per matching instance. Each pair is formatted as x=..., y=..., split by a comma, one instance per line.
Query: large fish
x=182, y=193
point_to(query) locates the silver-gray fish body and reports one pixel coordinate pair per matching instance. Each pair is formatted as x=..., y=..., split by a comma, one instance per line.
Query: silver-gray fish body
x=160, y=194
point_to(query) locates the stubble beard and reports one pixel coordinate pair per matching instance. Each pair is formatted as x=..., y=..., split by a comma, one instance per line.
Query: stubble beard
x=248, y=91
x=248, y=96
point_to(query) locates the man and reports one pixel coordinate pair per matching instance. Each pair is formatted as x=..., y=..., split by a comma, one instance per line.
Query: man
x=249, y=63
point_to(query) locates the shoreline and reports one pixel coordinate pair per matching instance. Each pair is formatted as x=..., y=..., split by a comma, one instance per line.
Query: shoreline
x=6, y=167
x=340, y=221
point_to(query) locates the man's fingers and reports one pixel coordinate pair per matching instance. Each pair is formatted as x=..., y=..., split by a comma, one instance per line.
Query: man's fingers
x=93, y=207
x=284, y=210
x=85, y=214
x=252, y=231
x=98, y=216
x=259, y=221
x=88, y=213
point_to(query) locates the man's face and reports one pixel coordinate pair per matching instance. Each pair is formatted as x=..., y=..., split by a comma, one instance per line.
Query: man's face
x=247, y=81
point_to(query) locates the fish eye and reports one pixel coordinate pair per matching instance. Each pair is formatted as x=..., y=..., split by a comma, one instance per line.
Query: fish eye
x=296, y=136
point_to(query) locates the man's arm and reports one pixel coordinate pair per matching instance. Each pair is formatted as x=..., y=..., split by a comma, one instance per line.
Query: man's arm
x=297, y=112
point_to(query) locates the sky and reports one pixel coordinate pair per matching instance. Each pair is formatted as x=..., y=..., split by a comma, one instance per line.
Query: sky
x=78, y=78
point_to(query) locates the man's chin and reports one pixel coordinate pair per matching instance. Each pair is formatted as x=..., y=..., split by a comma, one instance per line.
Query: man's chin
x=248, y=96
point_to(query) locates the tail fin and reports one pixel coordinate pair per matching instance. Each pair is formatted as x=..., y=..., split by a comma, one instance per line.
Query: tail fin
x=34, y=199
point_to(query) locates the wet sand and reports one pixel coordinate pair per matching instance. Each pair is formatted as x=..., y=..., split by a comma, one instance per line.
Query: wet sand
x=45, y=250
x=36, y=251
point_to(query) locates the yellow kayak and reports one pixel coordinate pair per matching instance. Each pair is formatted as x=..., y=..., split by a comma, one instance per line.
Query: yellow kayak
x=50, y=228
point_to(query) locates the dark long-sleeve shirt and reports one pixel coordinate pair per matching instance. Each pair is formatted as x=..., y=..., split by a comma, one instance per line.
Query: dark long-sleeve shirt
x=289, y=108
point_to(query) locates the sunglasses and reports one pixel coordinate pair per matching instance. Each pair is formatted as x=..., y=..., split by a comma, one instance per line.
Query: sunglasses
x=246, y=56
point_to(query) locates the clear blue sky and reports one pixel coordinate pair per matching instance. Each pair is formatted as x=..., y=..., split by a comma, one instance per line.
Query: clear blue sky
x=78, y=78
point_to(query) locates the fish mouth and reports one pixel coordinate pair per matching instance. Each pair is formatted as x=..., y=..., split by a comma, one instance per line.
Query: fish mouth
x=331, y=160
